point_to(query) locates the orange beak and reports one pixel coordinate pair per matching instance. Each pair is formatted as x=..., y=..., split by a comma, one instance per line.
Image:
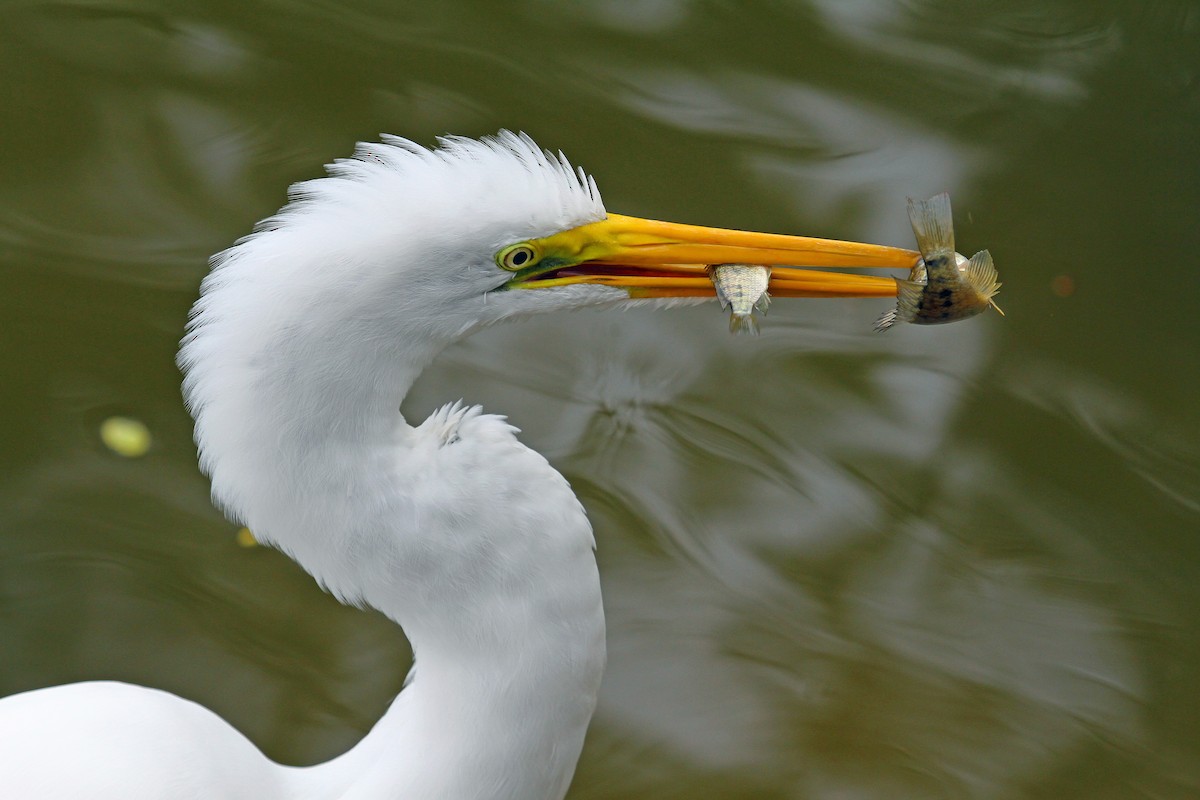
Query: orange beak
x=649, y=258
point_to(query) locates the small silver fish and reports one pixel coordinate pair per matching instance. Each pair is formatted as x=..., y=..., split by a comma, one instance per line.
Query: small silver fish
x=742, y=288
x=944, y=286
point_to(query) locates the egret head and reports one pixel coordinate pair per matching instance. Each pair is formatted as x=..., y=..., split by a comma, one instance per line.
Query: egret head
x=405, y=241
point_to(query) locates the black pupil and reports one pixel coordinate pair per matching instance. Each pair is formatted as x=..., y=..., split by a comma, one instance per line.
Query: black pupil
x=520, y=257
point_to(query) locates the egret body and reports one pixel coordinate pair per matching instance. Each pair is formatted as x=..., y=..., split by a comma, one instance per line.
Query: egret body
x=305, y=339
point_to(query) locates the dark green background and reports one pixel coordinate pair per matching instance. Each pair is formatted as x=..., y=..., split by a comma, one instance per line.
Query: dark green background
x=935, y=563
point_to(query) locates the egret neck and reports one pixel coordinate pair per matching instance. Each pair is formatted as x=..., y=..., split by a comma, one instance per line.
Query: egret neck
x=503, y=611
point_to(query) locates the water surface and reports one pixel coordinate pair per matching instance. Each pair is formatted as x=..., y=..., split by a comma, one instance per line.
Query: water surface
x=936, y=563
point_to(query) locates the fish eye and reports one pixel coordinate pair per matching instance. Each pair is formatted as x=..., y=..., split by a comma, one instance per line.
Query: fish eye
x=515, y=257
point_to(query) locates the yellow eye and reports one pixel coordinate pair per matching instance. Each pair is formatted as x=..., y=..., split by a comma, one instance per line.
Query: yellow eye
x=516, y=257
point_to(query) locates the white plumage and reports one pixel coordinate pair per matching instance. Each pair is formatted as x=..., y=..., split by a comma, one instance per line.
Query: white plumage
x=306, y=337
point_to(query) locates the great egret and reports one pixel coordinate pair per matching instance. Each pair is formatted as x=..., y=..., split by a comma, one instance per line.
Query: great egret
x=307, y=335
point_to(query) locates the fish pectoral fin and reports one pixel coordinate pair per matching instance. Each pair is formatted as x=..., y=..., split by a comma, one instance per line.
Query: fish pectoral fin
x=933, y=225
x=721, y=298
x=886, y=320
x=763, y=303
x=908, y=300
x=982, y=275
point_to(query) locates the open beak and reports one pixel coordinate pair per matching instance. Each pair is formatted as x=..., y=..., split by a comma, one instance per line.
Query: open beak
x=649, y=258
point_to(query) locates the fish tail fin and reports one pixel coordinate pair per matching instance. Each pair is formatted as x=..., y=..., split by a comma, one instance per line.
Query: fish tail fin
x=933, y=224
x=744, y=324
x=908, y=298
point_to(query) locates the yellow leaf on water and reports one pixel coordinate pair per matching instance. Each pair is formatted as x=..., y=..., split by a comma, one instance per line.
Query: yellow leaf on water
x=126, y=436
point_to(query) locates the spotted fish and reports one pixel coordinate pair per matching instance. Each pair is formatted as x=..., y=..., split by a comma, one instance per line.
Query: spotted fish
x=742, y=288
x=944, y=286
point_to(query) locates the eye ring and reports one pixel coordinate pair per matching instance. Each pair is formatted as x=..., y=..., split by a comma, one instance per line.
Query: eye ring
x=516, y=257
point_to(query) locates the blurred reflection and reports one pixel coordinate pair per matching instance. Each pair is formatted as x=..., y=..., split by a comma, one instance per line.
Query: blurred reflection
x=1145, y=443
x=1049, y=49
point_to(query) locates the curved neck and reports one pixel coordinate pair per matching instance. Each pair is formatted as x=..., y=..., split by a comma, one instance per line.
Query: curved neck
x=468, y=540
x=512, y=730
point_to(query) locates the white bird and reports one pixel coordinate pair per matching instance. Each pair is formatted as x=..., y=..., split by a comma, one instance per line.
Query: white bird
x=306, y=337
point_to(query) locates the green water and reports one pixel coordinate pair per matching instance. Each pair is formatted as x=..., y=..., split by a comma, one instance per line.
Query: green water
x=936, y=563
